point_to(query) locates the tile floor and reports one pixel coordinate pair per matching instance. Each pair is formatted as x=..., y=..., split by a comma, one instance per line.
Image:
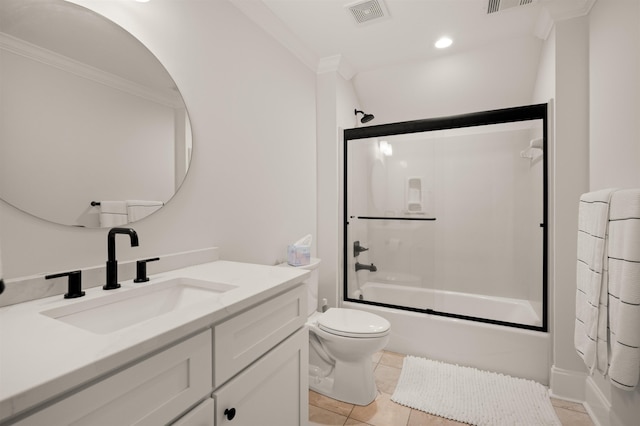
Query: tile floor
x=384, y=412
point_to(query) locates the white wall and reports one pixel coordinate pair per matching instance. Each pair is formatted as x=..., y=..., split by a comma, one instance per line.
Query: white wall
x=570, y=176
x=252, y=185
x=614, y=144
x=471, y=81
x=336, y=100
x=327, y=234
x=590, y=65
x=614, y=90
x=563, y=78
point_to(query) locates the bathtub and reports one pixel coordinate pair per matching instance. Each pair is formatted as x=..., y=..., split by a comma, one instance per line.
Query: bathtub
x=473, y=305
x=503, y=349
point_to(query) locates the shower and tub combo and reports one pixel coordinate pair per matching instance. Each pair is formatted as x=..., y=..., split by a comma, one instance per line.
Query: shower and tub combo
x=394, y=291
x=444, y=236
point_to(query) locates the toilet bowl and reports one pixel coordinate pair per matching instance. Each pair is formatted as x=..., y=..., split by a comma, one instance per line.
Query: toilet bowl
x=341, y=344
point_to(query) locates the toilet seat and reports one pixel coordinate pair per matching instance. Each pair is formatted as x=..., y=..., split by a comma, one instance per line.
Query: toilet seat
x=353, y=323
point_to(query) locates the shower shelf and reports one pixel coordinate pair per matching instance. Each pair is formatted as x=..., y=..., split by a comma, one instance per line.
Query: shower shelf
x=392, y=218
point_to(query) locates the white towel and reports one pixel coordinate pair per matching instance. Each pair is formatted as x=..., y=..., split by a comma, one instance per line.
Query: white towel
x=139, y=209
x=591, y=335
x=624, y=288
x=113, y=213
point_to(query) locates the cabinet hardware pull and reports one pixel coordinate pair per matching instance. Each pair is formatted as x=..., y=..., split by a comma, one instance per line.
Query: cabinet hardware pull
x=230, y=413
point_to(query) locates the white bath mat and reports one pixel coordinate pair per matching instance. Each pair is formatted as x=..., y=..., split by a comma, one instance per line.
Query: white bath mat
x=472, y=396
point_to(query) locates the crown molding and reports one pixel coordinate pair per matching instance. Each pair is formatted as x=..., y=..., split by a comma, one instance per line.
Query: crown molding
x=544, y=24
x=575, y=12
x=166, y=97
x=550, y=15
x=260, y=14
x=336, y=63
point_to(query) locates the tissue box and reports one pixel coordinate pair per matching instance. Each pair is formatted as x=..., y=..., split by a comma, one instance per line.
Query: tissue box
x=298, y=255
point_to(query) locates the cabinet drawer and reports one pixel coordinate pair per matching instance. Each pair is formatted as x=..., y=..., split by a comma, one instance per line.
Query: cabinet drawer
x=152, y=392
x=244, y=338
x=271, y=392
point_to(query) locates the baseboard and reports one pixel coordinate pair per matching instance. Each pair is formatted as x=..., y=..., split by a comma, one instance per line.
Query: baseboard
x=567, y=384
x=599, y=406
x=580, y=387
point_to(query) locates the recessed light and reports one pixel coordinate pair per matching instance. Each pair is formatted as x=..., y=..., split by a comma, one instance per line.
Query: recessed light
x=443, y=42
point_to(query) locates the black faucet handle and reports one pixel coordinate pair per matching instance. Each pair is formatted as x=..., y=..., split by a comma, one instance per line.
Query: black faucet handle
x=357, y=248
x=75, y=283
x=141, y=270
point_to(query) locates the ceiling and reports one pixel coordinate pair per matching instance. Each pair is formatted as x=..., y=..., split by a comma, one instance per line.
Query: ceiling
x=316, y=29
x=396, y=71
x=391, y=62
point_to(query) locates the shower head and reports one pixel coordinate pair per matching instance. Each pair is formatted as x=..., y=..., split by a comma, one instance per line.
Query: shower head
x=365, y=117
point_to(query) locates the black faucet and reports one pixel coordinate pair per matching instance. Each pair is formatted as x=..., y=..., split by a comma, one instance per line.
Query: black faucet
x=112, y=263
x=371, y=267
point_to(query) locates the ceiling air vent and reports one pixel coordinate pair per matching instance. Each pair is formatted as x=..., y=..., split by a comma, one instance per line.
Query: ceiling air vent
x=367, y=11
x=499, y=5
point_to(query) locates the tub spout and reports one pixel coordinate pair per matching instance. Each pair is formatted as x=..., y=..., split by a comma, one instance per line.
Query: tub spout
x=371, y=267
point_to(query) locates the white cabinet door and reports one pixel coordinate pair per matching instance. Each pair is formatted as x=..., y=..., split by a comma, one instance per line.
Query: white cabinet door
x=273, y=391
x=152, y=392
x=202, y=415
x=244, y=338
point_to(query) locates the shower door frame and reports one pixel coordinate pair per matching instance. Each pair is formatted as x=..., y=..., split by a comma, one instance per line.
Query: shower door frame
x=498, y=116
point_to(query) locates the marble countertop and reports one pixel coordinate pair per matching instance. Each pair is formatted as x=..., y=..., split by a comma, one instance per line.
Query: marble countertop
x=40, y=357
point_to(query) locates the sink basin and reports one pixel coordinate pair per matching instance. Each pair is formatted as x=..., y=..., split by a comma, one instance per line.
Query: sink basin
x=126, y=308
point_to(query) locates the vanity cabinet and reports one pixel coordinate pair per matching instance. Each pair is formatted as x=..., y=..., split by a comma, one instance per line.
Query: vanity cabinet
x=261, y=364
x=248, y=369
x=243, y=338
x=202, y=415
x=271, y=392
x=152, y=392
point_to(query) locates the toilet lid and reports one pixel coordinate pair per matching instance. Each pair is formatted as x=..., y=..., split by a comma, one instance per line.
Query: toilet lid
x=353, y=323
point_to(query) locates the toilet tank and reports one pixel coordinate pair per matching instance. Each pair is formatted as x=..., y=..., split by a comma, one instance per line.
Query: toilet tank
x=312, y=283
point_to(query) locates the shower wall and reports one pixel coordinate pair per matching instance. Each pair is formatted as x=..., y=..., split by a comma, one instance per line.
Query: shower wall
x=487, y=202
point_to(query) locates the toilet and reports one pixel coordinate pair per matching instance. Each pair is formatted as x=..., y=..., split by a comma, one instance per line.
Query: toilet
x=341, y=343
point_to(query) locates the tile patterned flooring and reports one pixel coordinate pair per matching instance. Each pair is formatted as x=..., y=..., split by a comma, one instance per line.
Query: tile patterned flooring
x=325, y=411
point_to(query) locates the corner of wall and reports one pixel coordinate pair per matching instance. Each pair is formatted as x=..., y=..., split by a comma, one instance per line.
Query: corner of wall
x=598, y=405
x=580, y=387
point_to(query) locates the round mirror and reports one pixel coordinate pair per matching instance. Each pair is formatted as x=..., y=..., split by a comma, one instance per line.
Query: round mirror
x=93, y=131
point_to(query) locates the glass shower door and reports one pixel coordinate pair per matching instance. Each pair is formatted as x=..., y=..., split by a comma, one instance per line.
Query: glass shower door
x=449, y=221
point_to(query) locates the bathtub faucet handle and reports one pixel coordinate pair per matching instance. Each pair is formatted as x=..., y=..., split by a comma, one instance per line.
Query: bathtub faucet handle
x=357, y=248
